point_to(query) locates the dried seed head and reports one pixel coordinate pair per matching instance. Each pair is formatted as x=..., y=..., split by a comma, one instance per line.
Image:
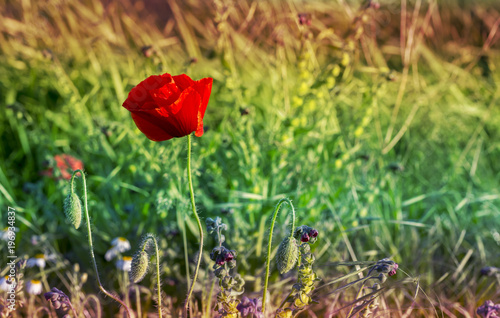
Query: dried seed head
x=73, y=209
x=140, y=265
x=288, y=253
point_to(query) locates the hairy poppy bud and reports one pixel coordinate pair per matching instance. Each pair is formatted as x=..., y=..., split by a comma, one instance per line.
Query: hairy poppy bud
x=288, y=253
x=139, y=268
x=73, y=209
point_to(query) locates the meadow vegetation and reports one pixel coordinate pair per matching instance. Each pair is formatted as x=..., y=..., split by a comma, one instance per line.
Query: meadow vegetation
x=381, y=123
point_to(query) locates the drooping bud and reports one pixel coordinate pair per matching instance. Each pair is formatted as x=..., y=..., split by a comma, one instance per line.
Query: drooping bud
x=288, y=253
x=73, y=209
x=139, y=268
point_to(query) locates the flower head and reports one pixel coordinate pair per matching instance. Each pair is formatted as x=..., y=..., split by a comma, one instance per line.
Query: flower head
x=118, y=245
x=63, y=167
x=39, y=260
x=7, y=235
x=304, y=238
x=489, y=271
x=489, y=310
x=34, y=287
x=57, y=298
x=166, y=106
x=304, y=19
x=249, y=306
x=6, y=283
x=124, y=264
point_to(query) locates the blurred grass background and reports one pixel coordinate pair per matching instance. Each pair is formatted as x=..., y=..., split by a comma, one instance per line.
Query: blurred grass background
x=382, y=125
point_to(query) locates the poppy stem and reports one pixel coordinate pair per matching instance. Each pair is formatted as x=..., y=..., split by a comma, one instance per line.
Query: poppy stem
x=200, y=228
x=158, y=280
x=129, y=314
x=285, y=200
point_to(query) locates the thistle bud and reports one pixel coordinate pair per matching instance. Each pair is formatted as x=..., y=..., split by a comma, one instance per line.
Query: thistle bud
x=139, y=269
x=73, y=209
x=288, y=253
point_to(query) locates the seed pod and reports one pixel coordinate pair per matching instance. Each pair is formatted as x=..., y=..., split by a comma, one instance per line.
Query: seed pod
x=139, y=267
x=288, y=253
x=73, y=209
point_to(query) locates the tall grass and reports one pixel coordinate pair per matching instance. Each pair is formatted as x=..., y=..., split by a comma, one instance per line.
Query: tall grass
x=381, y=125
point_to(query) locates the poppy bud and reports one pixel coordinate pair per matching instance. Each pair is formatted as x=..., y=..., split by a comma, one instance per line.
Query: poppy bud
x=73, y=209
x=139, y=267
x=288, y=253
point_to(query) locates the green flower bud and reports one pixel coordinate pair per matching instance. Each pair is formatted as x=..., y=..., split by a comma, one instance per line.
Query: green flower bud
x=288, y=253
x=139, y=269
x=73, y=209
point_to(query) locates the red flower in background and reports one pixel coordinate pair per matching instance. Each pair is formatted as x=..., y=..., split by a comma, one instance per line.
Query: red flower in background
x=165, y=106
x=63, y=167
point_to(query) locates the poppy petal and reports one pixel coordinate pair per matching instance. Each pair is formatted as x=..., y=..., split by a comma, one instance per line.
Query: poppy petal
x=150, y=126
x=183, y=81
x=204, y=88
x=200, y=130
x=187, y=117
x=166, y=95
x=139, y=97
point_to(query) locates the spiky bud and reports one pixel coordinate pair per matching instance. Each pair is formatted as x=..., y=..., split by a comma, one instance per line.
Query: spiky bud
x=73, y=209
x=140, y=265
x=288, y=253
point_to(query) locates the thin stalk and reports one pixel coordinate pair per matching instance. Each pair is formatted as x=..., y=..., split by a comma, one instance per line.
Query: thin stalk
x=138, y=301
x=209, y=300
x=270, y=245
x=182, y=227
x=359, y=293
x=158, y=282
x=91, y=245
x=200, y=228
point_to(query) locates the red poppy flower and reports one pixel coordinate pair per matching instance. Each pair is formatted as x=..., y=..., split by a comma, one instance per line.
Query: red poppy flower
x=165, y=106
x=64, y=165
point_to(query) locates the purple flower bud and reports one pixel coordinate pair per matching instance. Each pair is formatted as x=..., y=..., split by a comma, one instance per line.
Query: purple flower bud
x=313, y=233
x=304, y=19
x=220, y=260
x=229, y=257
x=249, y=306
x=488, y=310
x=304, y=238
x=392, y=272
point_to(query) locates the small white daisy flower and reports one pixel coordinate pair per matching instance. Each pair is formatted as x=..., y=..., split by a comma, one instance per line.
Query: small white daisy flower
x=38, y=260
x=118, y=245
x=34, y=287
x=121, y=243
x=6, y=284
x=124, y=264
x=6, y=235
